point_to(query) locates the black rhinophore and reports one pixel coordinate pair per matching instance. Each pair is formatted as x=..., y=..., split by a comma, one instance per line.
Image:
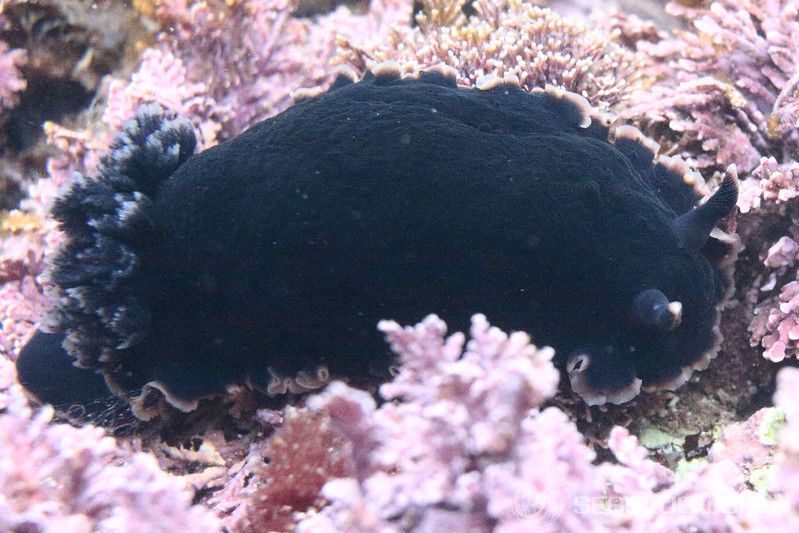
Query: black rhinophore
x=268, y=260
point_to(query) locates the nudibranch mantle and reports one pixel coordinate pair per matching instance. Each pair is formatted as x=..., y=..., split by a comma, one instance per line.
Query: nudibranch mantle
x=267, y=261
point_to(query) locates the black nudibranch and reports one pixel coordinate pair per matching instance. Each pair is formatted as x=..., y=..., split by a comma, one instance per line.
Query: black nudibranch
x=268, y=260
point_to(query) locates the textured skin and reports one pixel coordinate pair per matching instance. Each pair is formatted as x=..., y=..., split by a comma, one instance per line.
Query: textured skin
x=282, y=248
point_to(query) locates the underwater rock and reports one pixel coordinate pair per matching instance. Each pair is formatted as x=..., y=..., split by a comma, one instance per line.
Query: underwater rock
x=268, y=260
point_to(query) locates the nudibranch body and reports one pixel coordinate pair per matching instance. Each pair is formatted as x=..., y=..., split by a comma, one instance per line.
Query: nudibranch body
x=267, y=261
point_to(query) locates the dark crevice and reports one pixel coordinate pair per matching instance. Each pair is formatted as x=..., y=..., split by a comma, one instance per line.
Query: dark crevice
x=43, y=99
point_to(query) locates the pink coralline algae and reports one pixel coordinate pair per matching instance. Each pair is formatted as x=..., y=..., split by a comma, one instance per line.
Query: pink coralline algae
x=11, y=81
x=512, y=37
x=771, y=189
x=26, y=236
x=22, y=303
x=728, y=88
x=727, y=91
x=463, y=444
x=57, y=477
x=456, y=440
x=189, y=68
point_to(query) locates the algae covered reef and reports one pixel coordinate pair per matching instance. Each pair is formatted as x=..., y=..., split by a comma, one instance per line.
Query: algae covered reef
x=475, y=429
